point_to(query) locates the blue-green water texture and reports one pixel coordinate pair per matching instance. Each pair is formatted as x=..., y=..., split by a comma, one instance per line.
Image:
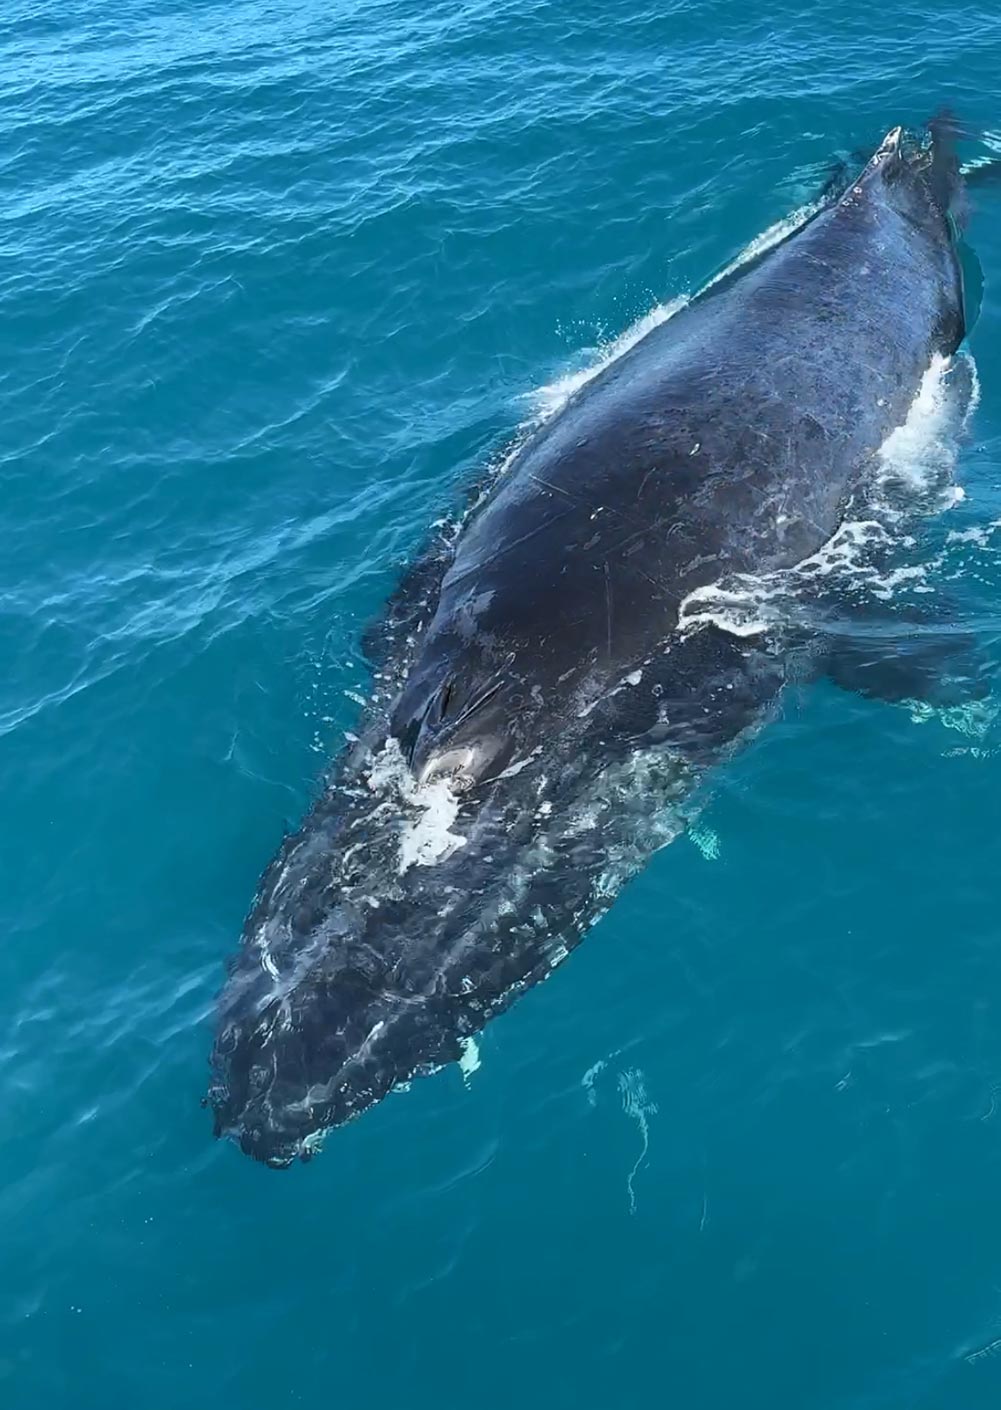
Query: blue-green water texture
x=276, y=282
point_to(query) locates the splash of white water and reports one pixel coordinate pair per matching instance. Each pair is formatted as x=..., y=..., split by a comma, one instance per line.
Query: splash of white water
x=430, y=808
x=912, y=477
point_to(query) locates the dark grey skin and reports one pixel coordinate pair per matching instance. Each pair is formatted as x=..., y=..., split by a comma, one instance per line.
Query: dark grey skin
x=539, y=666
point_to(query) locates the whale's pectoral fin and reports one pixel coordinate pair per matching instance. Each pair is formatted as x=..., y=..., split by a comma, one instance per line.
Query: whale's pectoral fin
x=936, y=665
x=973, y=285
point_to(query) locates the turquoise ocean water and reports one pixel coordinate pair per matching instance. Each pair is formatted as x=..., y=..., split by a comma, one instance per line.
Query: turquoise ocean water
x=275, y=280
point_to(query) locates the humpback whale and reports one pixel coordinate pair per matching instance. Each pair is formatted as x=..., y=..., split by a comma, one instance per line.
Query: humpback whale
x=547, y=695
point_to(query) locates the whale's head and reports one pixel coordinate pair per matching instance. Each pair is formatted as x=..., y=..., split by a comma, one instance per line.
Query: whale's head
x=337, y=995
x=315, y=1027
x=920, y=176
x=281, y=1063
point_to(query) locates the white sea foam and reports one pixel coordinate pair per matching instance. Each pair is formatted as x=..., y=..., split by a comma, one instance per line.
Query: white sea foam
x=773, y=235
x=917, y=461
x=429, y=809
x=552, y=397
x=980, y=535
x=912, y=477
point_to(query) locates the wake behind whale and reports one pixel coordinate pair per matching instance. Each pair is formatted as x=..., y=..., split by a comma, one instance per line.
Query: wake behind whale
x=555, y=681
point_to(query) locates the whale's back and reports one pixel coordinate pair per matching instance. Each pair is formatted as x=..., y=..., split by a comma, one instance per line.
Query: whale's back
x=724, y=441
